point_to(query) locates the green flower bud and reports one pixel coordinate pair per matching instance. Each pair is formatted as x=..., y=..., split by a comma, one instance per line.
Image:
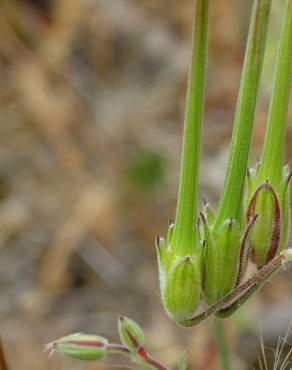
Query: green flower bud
x=182, y=293
x=269, y=235
x=180, y=283
x=221, y=259
x=130, y=333
x=80, y=346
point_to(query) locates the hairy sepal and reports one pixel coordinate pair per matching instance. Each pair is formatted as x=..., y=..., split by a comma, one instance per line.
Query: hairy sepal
x=221, y=260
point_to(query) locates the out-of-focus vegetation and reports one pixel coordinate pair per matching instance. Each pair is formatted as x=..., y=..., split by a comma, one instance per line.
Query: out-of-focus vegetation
x=91, y=106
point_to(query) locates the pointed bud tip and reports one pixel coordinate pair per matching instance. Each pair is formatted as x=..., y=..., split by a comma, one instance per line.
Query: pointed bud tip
x=50, y=347
x=159, y=242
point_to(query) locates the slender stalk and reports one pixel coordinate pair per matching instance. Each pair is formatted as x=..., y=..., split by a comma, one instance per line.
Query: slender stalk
x=153, y=363
x=141, y=356
x=223, y=351
x=230, y=204
x=185, y=234
x=273, y=151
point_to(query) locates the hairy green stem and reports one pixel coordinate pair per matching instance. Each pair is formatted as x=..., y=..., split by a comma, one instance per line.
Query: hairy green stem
x=185, y=235
x=273, y=151
x=223, y=351
x=230, y=204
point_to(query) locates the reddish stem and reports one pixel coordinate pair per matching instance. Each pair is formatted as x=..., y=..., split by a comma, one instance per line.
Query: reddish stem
x=142, y=355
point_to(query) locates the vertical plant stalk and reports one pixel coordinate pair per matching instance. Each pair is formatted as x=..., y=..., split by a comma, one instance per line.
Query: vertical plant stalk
x=223, y=351
x=273, y=151
x=185, y=235
x=230, y=204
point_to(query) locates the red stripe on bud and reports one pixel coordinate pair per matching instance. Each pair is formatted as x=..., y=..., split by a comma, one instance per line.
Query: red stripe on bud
x=276, y=231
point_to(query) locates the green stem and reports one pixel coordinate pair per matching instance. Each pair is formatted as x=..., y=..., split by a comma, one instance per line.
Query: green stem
x=230, y=204
x=273, y=152
x=185, y=234
x=223, y=352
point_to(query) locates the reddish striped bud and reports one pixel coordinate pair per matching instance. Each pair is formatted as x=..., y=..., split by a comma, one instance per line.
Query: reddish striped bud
x=130, y=333
x=269, y=202
x=80, y=346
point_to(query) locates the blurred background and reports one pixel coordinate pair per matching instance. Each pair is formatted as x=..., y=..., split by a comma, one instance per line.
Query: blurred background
x=91, y=110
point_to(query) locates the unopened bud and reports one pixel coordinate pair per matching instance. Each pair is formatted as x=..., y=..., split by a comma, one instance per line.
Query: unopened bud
x=182, y=291
x=220, y=259
x=265, y=235
x=270, y=201
x=179, y=278
x=130, y=333
x=80, y=346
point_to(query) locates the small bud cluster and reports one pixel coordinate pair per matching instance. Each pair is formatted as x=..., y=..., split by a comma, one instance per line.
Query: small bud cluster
x=94, y=347
x=218, y=265
x=216, y=268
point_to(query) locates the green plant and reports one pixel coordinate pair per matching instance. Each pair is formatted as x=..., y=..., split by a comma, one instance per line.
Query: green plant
x=206, y=261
